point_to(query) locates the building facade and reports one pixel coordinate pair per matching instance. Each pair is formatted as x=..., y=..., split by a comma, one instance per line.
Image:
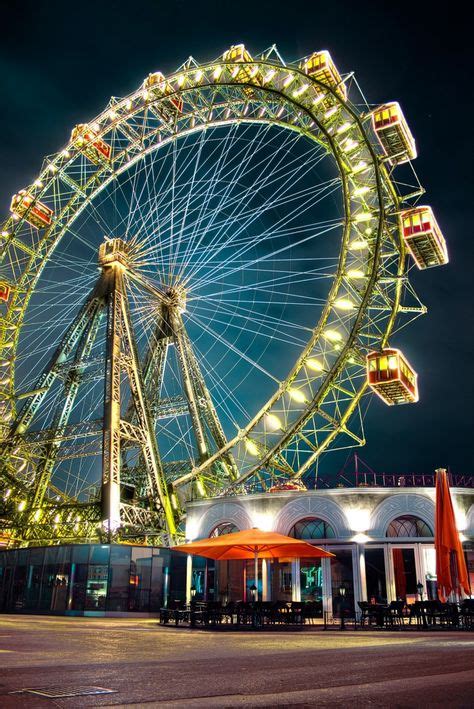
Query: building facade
x=382, y=538
x=90, y=579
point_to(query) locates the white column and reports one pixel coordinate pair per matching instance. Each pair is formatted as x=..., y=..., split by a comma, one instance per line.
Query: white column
x=265, y=579
x=295, y=580
x=362, y=575
x=189, y=576
x=327, y=587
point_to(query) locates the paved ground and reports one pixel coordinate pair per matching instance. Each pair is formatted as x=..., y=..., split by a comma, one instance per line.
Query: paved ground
x=148, y=665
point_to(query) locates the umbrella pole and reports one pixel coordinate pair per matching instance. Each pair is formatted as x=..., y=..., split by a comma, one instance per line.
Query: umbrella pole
x=256, y=574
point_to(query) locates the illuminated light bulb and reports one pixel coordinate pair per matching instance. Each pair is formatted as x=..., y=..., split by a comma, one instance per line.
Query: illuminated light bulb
x=38, y=183
x=358, y=245
x=337, y=347
x=65, y=153
x=359, y=191
x=5, y=234
x=198, y=75
x=289, y=80
x=361, y=165
x=180, y=80
x=301, y=90
x=52, y=168
x=330, y=112
x=350, y=145
x=234, y=72
x=78, y=518
x=22, y=466
x=315, y=365
x=280, y=111
x=145, y=95
x=253, y=72
x=297, y=395
x=174, y=501
x=344, y=304
x=217, y=72
x=332, y=335
x=128, y=105
x=15, y=217
x=95, y=127
x=269, y=76
x=76, y=527
x=368, y=231
x=363, y=217
x=56, y=519
x=345, y=126
x=272, y=422
x=317, y=99
x=355, y=273
x=22, y=506
x=7, y=494
x=200, y=487
x=251, y=447
x=112, y=114
x=37, y=515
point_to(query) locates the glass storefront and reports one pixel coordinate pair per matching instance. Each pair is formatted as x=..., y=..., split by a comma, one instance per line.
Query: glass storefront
x=90, y=579
x=375, y=575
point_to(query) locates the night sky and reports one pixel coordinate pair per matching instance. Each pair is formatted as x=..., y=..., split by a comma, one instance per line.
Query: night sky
x=61, y=61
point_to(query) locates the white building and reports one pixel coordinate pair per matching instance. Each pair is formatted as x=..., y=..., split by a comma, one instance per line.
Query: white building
x=382, y=538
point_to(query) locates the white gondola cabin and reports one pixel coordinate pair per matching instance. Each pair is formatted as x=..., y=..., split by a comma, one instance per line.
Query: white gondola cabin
x=4, y=292
x=321, y=66
x=157, y=85
x=239, y=55
x=423, y=237
x=35, y=212
x=391, y=376
x=393, y=133
x=86, y=139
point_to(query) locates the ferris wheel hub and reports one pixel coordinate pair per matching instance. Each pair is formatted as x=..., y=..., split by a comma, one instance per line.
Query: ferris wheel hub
x=177, y=298
x=113, y=252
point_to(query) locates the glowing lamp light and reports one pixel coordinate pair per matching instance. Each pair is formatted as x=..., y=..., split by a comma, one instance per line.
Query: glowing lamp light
x=363, y=217
x=359, y=191
x=263, y=520
x=174, y=501
x=358, y=245
x=37, y=515
x=361, y=165
x=350, y=144
x=297, y=395
x=7, y=494
x=345, y=126
x=180, y=80
x=301, y=90
x=358, y=519
x=344, y=304
x=289, y=80
x=315, y=365
x=355, y=273
x=56, y=519
x=217, y=72
x=332, y=335
x=200, y=487
x=272, y=422
x=269, y=76
x=360, y=538
x=198, y=75
x=5, y=234
x=22, y=506
x=251, y=447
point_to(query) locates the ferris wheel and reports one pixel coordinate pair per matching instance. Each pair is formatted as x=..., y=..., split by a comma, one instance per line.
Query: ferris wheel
x=198, y=291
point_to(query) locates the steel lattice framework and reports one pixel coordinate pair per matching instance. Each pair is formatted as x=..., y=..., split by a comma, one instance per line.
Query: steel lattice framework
x=309, y=408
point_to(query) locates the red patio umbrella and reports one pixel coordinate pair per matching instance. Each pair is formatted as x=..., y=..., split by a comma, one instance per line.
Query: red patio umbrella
x=252, y=544
x=451, y=571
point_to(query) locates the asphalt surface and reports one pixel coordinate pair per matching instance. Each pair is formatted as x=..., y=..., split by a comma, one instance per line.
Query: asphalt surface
x=148, y=665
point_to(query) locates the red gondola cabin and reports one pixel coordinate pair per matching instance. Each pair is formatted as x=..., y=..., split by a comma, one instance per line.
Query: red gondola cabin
x=391, y=376
x=393, y=133
x=157, y=85
x=321, y=66
x=87, y=141
x=4, y=292
x=35, y=212
x=423, y=237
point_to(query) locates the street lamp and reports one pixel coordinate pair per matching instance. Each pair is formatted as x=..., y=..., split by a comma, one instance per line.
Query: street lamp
x=342, y=593
x=419, y=587
x=253, y=592
x=192, y=609
x=253, y=597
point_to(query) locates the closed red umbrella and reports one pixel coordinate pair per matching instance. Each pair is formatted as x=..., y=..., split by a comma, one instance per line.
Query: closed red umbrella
x=451, y=571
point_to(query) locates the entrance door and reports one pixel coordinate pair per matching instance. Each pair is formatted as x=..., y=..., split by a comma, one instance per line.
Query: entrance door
x=404, y=573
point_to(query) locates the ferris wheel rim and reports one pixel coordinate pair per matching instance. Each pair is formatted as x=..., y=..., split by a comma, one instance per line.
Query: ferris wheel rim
x=380, y=177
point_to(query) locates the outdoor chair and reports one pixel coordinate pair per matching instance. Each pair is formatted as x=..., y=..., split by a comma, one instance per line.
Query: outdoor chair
x=368, y=611
x=467, y=614
x=394, y=613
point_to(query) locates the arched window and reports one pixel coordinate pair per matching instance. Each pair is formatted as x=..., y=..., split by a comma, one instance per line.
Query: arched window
x=408, y=526
x=312, y=528
x=224, y=528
